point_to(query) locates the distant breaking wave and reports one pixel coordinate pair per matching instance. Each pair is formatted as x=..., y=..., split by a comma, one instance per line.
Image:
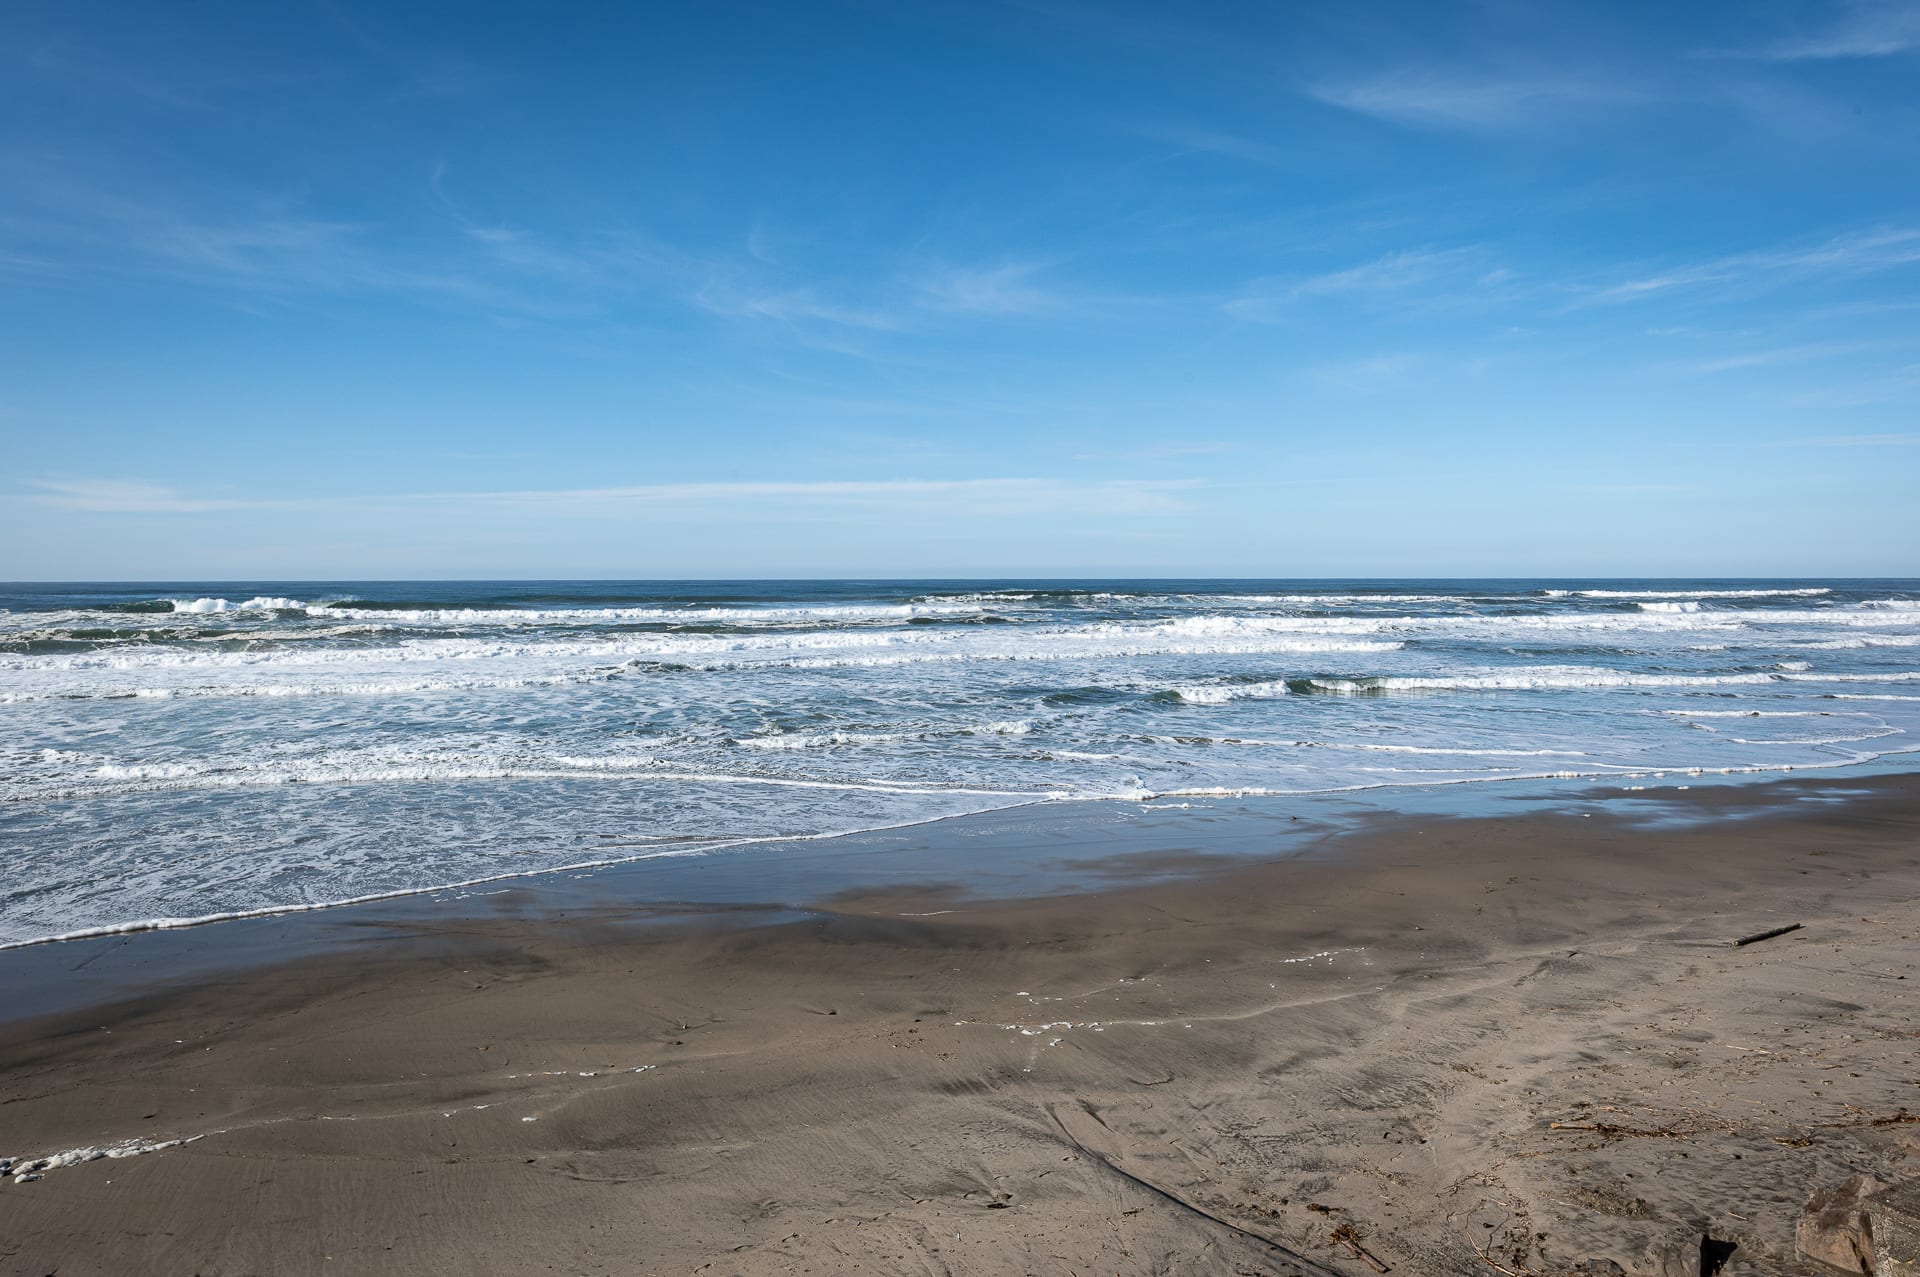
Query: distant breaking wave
x=1810, y=592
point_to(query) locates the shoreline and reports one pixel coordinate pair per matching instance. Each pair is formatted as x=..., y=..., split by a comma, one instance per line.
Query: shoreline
x=1219, y=1060
x=1000, y=854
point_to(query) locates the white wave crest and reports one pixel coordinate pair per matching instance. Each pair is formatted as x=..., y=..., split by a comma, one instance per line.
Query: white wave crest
x=1866, y=640
x=1764, y=713
x=1216, y=694
x=1547, y=678
x=589, y=616
x=262, y=604
x=823, y=740
x=1462, y=750
x=1358, y=600
x=1808, y=592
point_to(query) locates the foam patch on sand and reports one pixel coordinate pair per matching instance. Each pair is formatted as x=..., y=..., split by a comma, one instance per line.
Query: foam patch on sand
x=25, y=1170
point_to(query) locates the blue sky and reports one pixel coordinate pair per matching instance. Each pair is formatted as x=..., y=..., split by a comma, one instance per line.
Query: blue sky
x=405, y=290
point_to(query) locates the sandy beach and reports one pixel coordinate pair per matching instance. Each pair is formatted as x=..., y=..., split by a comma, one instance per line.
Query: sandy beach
x=1519, y=1044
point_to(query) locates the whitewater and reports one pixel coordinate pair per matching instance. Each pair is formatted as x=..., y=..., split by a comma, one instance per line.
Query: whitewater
x=192, y=751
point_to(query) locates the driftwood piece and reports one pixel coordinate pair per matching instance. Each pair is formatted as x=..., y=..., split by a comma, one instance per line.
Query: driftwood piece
x=1611, y=1131
x=1758, y=936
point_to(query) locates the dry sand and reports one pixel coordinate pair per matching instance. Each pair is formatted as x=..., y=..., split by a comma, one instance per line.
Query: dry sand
x=1462, y=1045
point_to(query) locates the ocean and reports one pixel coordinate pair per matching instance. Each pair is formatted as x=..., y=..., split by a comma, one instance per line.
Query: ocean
x=187, y=751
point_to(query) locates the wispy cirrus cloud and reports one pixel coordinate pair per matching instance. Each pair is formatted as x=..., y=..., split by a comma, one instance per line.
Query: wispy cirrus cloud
x=1474, y=101
x=77, y=224
x=1373, y=374
x=271, y=251
x=1807, y=352
x=115, y=496
x=1392, y=272
x=1856, y=253
x=1410, y=272
x=915, y=299
x=1158, y=452
x=1896, y=385
x=72, y=222
x=1192, y=140
x=80, y=71
x=1848, y=441
x=597, y=260
x=1008, y=288
x=27, y=263
x=418, y=72
x=739, y=300
x=1866, y=29
x=1128, y=496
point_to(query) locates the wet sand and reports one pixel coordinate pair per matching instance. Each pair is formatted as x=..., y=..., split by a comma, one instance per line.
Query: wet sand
x=1517, y=1044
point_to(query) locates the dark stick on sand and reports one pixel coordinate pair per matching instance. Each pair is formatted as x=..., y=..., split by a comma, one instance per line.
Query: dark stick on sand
x=1758, y=936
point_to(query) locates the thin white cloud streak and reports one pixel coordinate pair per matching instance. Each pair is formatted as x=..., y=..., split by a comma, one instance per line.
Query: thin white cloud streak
x=1860, y=253
x=1786, y=355
x=1394, y=271
x=1473, y=102
x=80, y=228
x=72, y=225
x=280, y=255
x=1006, y=289
x=1900, y=385
x=790, y=306
x=521, y=251
x=1159, y=452
x=1848, y=441
x=1393, y=275
x=594, y=260
x=1201, y=141
x=1043, y=495
x=287, y=247
x=23, y=263
x=1375, y=374
x=130, y=497
x=1133, y=495
x=86, y=74
x=1867, y=30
